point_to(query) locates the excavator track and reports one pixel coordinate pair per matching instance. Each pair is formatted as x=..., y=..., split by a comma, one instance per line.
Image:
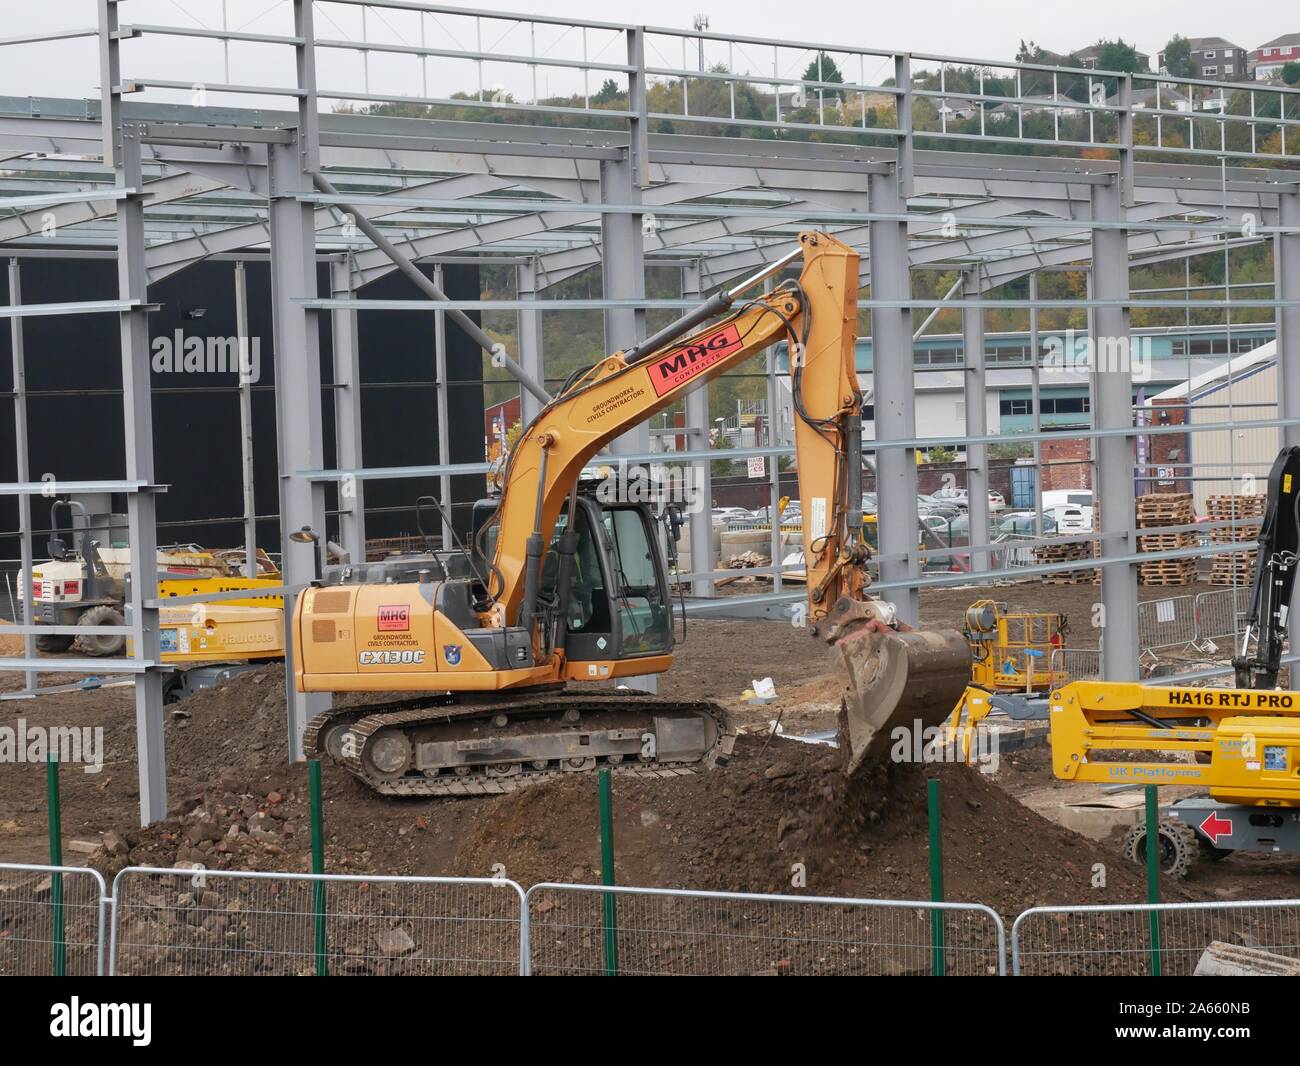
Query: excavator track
x=455, y=746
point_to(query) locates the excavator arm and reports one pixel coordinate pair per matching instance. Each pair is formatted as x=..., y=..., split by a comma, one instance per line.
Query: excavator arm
x=817, y=317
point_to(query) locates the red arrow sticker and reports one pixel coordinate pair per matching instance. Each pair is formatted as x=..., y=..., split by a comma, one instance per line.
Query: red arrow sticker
x=1215, y=827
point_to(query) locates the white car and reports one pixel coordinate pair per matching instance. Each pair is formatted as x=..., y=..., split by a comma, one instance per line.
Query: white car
x=1070, y=518
x=962, y=498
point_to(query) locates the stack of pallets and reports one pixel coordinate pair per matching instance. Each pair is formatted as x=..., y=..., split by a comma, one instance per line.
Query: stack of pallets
x=1063, y=553
x=1234, y=568
x=1155, y=513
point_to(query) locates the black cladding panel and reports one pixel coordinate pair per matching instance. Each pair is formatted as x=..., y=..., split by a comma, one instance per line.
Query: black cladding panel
x=75, y=404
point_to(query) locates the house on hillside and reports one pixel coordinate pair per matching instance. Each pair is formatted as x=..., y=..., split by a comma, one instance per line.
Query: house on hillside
x=1090, y=57
x=1216, y=59
x=1271, y=56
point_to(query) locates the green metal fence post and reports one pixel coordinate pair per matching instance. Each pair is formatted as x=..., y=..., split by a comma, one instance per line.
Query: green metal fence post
x=607, y=873
x=936, y=874
x=1153, y=874
x=56, y=859
x=318, y=867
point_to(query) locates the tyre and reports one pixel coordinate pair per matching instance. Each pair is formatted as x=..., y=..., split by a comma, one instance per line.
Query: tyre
x=103, y=644
x=53, y=643
x=1177, y=844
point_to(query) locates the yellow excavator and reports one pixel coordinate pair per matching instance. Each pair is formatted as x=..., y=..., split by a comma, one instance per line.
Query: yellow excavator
x=563, y=582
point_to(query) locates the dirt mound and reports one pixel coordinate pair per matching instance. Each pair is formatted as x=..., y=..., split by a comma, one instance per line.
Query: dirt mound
x=238, y=723
x=752, y=825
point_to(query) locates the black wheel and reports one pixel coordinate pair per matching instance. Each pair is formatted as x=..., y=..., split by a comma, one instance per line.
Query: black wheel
x=54, y=644
x=1177, y=844
x=103, y=644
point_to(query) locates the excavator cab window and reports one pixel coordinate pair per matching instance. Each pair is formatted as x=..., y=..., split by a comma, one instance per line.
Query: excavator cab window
x=644, y=612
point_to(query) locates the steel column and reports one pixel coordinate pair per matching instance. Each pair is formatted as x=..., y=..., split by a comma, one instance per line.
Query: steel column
x=297, y=402
x=443, y=405
x=1113, y=389
x=531, y=356
x=1286, y=277
x=696, y=431
x=347, y=414
x=121, y=149
x=245, y=343
x=623, y=275
x=1286, y=270
x=22, y=467
x=977, y=472
x=895, y=396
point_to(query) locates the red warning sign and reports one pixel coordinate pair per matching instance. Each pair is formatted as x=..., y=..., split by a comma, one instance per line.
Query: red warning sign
x=678, y=367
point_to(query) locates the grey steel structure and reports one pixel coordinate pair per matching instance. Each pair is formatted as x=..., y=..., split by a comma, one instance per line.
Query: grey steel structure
x=623, y=148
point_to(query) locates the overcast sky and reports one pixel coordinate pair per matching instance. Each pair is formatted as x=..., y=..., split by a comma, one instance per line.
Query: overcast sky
x=981, y=30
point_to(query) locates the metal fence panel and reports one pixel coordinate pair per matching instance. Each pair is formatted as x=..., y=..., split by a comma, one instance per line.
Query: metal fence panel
x=1079, y=664
x=193, y=921
x=52, y=921
x=695, y=933
x=1167, y=623
x=1117, y=939
x=1219, y=614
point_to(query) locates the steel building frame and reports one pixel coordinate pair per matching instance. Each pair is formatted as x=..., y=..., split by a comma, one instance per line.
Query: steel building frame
x=627, y=181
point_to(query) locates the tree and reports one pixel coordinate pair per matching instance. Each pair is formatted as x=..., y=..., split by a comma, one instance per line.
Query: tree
x=1291, y=73
x=1117, y=55
x=823, y=68
x=1178, y=57
x=607, y=93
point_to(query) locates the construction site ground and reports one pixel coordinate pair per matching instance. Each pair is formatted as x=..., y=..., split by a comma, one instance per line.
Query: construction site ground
x=237, y=803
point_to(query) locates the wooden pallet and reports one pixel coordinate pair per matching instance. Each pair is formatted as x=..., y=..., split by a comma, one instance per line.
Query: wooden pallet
x=1168, y=572
x=1220, y=507
x=1159, y=542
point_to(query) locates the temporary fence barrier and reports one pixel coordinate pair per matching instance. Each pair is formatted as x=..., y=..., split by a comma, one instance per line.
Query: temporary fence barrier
x=51, y=921
x=680, y=932
x=197, y=921
x=1118, y=939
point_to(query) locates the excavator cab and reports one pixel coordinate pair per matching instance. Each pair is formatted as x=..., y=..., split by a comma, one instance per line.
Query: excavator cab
x=618, y=604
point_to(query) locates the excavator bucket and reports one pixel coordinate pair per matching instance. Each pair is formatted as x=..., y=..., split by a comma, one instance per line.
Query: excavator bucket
x=898, y=678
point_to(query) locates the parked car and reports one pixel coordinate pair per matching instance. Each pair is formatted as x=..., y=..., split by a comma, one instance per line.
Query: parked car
x=1022, y=523
x=1070, y=518
x=928, y=504
x=961, y=498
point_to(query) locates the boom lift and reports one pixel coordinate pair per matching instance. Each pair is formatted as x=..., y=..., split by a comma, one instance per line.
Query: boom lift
x=565, y=584
x=1244, y=742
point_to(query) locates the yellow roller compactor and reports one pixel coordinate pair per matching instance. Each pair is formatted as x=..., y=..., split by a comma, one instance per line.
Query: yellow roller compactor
x=565, y=583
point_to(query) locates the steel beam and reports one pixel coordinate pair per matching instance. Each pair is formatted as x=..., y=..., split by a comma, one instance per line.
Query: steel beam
x=895, y=398
x=1113, y=409
x=974, y=390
